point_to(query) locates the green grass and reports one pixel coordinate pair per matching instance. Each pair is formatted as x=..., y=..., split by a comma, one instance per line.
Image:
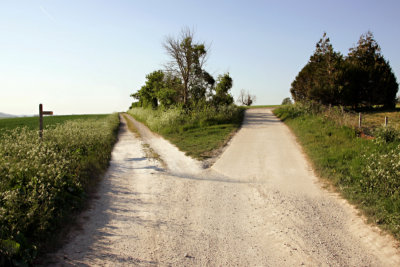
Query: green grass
x=201, y=142
x=199, y=133
x=33, y=122
x=357, y=168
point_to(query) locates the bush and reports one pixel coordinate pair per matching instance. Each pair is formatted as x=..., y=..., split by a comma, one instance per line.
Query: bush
x=178, y=119
x=286, y=101
x=43, y=181
x=382, y=173
x=297, y=110
x=386, y=134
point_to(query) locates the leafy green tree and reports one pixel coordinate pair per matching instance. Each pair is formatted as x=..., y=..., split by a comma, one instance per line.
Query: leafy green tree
x=169, y=95
x=201, y=87
x=369, y=77
x=159, y=89
x=222, y=95
x=147, y=95
x=286, y=101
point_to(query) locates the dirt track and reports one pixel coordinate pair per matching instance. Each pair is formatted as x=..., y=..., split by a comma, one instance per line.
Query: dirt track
x=259, y=205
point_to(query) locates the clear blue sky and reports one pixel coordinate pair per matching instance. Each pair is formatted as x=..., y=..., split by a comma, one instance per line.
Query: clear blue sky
x=88, y=56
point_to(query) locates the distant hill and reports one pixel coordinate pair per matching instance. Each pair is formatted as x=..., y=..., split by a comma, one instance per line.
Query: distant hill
x=5, y=115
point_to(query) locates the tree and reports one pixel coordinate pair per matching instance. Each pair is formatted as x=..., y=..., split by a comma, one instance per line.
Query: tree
x=187, y=60
x=245, y=98
x=318, y=80
x=369, y=77
x=302, y=84
x=326, y=72
x=286, y=101
x=160, y=88
x=147, y=95
x=169, y=93
x=222, y=95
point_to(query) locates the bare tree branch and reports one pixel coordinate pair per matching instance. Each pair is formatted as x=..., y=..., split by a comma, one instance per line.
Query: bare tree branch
x=186, y=57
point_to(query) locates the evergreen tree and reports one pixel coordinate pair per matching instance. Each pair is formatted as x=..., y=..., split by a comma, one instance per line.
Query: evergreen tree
x=369, y=79
x=318, y=80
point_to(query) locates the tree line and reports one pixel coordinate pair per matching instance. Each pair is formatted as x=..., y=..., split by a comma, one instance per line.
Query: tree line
x=362, y=79
x=184, y=82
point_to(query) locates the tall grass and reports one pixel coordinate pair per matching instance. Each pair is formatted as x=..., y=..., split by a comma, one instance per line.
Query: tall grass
x=367, y=172
x=197, y=132
x=178, y=120
x=43, y=181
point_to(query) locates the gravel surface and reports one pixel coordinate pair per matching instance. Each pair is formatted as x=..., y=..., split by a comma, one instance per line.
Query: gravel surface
x=259, y=205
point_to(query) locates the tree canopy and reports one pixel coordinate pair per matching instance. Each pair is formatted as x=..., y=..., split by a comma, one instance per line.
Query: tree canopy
x=362, y=79
x=184, y=81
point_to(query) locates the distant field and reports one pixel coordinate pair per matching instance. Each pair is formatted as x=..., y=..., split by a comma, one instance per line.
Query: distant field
x=33, y=122
x=377, y=118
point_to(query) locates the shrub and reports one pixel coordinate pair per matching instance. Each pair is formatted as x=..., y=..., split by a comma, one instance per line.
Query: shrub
x=178, y=119
x=382, y=173
x=287, y=101
x=386, y=134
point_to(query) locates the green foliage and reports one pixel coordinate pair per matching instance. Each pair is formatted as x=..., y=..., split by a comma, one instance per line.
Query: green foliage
x=287, y=101
x=382, y=173
x=366, y=172
x=297, y=110
x=184, y=83
x=147, y=95
x=43, y=181
x=362, y=79
x=318, y=80
x=198, y=131
x=386, y=134
x=222, y=96
x=370, y=79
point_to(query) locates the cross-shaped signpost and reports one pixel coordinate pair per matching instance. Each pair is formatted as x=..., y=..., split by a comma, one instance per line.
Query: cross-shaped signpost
x=41, y=113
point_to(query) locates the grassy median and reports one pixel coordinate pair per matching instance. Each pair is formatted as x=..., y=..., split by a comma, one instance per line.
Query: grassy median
x=198, y=133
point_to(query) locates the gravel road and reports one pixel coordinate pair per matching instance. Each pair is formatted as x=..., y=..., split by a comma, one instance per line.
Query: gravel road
x=260, y=204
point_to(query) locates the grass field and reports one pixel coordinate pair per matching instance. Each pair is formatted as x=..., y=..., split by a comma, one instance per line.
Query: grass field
x=365, y=171
x=374, y=119
x=199, y=133
x=33, y=122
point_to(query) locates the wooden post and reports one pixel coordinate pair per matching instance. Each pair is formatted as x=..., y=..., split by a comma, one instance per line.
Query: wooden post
x=41, y=113
x=41, y=121
x=386, y=121
x=359, y=120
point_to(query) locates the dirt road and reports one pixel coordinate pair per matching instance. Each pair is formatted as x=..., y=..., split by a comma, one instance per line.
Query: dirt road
x=258, y=205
